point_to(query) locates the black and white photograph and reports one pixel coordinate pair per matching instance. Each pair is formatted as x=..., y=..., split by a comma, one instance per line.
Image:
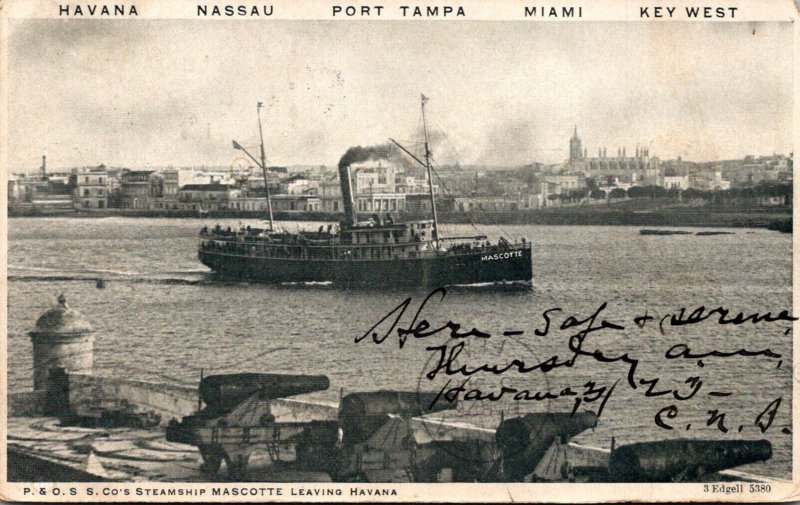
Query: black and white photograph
x=321, y=251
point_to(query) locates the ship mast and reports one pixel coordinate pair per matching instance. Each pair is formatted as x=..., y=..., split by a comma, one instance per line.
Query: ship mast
x=264, y=165
x=430, y=178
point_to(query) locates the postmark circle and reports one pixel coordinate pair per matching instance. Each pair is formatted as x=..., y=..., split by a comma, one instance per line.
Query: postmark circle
x=241, y=165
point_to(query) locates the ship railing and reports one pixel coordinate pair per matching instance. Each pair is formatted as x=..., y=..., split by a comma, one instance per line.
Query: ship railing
x=310, y=243
x=337, y=251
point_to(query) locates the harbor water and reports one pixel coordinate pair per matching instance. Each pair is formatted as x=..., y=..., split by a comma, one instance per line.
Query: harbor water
x=161, y=316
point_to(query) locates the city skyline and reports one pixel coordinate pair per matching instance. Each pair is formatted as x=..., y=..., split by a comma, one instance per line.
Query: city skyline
x=159, y=93
x=59, y=169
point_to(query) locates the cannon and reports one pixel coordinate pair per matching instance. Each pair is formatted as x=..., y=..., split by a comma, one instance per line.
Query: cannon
x=222, y=393
x=682, y=459
x=240, y=417
x=379, y=442
x=525, y=440
x=360, y=414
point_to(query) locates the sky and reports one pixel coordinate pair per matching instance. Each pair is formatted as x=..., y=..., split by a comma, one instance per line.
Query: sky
x=177, y=92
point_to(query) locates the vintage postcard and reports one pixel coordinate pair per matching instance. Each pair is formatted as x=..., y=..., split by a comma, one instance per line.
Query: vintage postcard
x=398, y=252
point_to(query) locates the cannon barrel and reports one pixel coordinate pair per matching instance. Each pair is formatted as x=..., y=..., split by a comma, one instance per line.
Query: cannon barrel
x=524, y=440
x=402, y=403
x=360, y=414
x=666, y=460
x=223, y=392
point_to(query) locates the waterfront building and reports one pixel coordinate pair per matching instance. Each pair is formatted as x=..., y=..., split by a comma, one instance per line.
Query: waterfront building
x=165, y=193
x=280, y=203
x=330, y=194
x=420, y=203
x=136, y=188
x=91, y=188
x=256, y=183
x=486, y=203
x=382, y=202
x=405, y=183
x=42, y=191
x=205, y=197
x=370, y=179
x=172, y=183
x=15, y=189
x=301, y=203
x=29, y=187
x=249, y=203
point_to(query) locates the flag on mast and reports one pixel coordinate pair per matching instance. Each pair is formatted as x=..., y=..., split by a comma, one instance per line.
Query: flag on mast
x=424, y=98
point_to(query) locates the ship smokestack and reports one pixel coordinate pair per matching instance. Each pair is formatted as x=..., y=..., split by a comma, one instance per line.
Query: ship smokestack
x=356, y=154
x=347, y=195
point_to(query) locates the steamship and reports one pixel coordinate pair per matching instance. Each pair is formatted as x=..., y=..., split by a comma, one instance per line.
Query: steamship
x=376, y=251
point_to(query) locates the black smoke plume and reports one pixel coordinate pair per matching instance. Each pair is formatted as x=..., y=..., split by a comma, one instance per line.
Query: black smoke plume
x=359, y=154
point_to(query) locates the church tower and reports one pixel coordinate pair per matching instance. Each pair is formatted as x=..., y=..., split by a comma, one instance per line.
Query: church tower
x=575, y=150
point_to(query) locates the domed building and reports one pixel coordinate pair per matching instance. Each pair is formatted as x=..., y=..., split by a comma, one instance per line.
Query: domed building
x=62, y=338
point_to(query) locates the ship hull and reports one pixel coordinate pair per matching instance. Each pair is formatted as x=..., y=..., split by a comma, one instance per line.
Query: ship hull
x=513, y=265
